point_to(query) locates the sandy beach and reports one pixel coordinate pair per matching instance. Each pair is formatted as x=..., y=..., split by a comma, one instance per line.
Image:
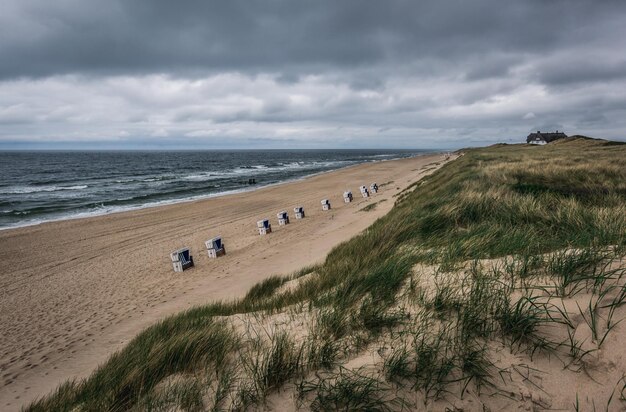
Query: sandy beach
x=75, y=291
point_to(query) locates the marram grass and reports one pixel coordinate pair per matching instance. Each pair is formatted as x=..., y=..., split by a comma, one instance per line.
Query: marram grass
x=554, y=217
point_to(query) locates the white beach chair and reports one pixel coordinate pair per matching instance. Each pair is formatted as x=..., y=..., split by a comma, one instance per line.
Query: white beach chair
x=299, y=211
x=325, y=204
x=347, y=196
x=374, y=188
x=364, y=191
x=264, y=227
x=283, y=218
x=181, y=259
x=215, y=247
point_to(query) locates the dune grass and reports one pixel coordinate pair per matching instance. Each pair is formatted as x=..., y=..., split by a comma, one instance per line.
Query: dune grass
x=371, y=206
x=348, y=390
x=552, y=215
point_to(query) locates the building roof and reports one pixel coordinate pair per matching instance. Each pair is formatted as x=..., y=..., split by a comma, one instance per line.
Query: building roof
x=546, y=137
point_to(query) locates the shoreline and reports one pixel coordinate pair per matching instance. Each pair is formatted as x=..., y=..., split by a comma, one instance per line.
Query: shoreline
x=168, y=202
x=90, y=285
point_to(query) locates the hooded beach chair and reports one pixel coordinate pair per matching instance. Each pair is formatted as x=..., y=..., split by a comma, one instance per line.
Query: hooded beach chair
x=325, y=204
x=364, y=191
x=283, y=218
x=374, y=187
x=264, y=227
x=181, y=259
x=299, y=211
x=215, y=247
x=347, y=196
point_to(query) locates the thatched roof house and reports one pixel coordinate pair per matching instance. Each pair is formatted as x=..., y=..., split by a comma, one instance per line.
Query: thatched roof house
x=543, y=138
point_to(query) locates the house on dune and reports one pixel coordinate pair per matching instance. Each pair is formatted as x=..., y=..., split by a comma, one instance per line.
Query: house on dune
x=544, y=138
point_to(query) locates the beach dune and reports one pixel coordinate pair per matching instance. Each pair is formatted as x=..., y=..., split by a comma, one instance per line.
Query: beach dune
x=75, y=291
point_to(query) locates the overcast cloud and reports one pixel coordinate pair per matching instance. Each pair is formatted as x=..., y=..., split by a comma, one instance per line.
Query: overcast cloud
x=282, y=74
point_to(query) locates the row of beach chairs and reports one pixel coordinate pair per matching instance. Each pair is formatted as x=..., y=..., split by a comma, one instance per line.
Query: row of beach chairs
x=265, y=226
x=182, y=259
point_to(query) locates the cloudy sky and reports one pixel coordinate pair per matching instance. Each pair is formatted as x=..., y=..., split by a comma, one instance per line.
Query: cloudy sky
x=308, y=74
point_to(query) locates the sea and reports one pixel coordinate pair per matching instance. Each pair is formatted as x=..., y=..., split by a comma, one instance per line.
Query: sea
x=43, y=186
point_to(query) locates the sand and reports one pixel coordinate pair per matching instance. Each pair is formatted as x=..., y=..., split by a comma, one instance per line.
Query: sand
x=75, y=291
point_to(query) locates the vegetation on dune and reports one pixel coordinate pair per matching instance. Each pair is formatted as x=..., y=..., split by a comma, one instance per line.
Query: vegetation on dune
x=371, y=206
x=485, y=250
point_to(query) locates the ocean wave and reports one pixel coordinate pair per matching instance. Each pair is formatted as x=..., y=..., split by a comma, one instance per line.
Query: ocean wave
x=18, y=212
x=240, y=171
x=147, y=179
x=15, y=190
x=14, y=212
x=254, y=167
x=199, y=177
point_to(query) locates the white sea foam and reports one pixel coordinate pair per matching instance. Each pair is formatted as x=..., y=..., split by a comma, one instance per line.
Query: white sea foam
x=254, y=170
x=14, y=190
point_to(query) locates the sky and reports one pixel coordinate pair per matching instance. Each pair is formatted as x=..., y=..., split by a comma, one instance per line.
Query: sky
x=198, y=74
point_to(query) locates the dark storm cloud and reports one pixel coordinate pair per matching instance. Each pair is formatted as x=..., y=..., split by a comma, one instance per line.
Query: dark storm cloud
x=44, y=38
x=583, y=69
x=401, y=71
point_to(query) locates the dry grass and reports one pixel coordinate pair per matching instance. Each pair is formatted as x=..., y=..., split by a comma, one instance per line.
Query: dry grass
x=491, y=251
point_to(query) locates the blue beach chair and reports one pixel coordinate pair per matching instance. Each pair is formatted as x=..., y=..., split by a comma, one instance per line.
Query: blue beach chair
x=299, y=211
x=364, y=191
x=264, y=226
x=215, y=247
x=181, y=259
x=283, y=218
